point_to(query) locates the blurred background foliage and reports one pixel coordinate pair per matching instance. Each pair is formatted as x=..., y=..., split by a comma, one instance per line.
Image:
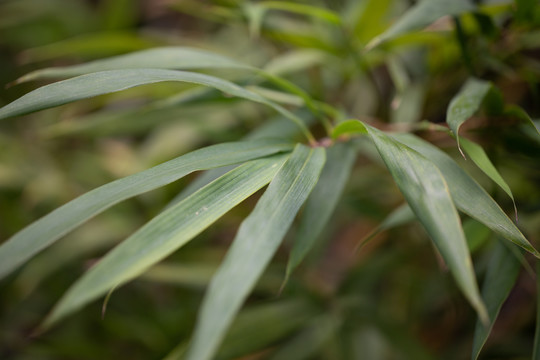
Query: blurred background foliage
x=391, y=299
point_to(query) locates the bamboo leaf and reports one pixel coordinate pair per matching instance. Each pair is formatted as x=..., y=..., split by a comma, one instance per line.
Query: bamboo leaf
x=105, y=82
x=302, y=9
x=322, y=202
x=468, y=195
x=465, y=104
x=502, y=273
x=421, y=15
x=167, y=232
x=477, y=234
x=90, y=45
x=399, y=216
x=519, y=113
x=479, y=157
x=49, y=228
x=426, y=192
x=348, y=127
x=179, y=58
x=256, y=242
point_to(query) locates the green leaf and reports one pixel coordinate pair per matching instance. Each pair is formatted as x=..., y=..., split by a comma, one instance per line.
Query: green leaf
x=468, y=195
x=479, y=157
x=256, y=242
x=348, y=127
x=465, y=104
x=96, y=44
x=426, y=192
x=310, y=340
x=105, y=82
x=502, y=273
x=295, y=60
x=399, y=216
x=302, y=9
x=261, y=326
x=421, y=15
x=257, y=327
x=519, y=113
x=167, y=232
x=157, y=58
x=368, y=18
x=49, y=228
x=322, y=201
x=477, y=234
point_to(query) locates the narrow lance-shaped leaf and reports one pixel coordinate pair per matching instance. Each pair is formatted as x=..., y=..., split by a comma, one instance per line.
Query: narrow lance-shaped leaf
x=421, y=15
x=479, y=157
x=167, y=232
x=426, y=192
x=105, y=82
x=465, y=104
x=522, y=115
x=468, y=195
x=322, y=201
x=256, y=242
x=399, y=216
x=173, y=58
x=158, y=58
x=302, y=9
x=348, y=127
x=502, y=273
x=51, y=227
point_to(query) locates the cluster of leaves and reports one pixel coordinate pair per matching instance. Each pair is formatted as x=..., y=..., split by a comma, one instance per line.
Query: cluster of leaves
x=354, y=82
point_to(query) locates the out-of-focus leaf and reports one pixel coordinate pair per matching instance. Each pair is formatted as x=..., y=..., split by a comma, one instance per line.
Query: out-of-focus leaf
x=40, y=234
x=468, y=195
x=119, y=14
x=256, y=242
x=370, y=20
x=179, y=58
x=502, y=273
x=479, y=157
x=476, y=233
x=90, y=46
x=104, y=82
x=348, y=127
x=311, y=339
x=407, y=105
x=520, y=114
x=421, y=15
x=525, y=9
x=399, y=216
x=302, y=9
x=167, y=232
x=466, y=103
x=426, y=192
x=295, y=60
x=278, y=97
x=259, y=326
x=199, y=275
x=101, y=233
x=322, y=202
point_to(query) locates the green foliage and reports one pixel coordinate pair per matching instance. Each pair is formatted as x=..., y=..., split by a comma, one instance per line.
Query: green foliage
x=357, y=95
